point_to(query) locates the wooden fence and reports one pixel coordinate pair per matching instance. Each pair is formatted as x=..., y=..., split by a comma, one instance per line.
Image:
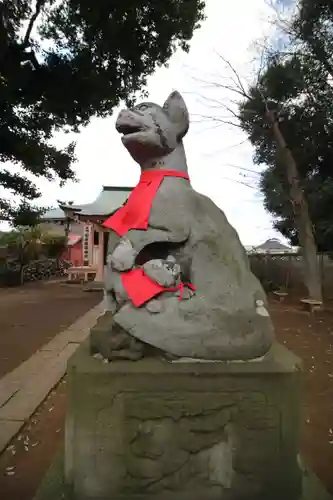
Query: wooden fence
x=286, y=271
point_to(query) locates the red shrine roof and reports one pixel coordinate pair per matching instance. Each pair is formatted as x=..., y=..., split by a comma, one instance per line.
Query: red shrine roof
x=73, y=239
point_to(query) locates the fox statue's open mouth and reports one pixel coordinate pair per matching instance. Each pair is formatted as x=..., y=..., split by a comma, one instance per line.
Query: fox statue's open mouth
x=148, y=133
x=127, y=129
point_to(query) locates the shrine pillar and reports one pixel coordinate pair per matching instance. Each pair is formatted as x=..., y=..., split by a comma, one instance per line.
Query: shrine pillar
x=100, y=260
x=87, y=244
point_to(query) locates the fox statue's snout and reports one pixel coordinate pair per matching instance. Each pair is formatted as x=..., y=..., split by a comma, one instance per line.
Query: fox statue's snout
x=150, y=131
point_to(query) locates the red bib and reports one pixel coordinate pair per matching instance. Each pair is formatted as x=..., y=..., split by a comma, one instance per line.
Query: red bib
x=140, y=288
x=135, y=214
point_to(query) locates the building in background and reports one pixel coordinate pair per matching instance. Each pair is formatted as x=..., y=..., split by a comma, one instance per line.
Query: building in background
x=86, y=238
x=271, y=247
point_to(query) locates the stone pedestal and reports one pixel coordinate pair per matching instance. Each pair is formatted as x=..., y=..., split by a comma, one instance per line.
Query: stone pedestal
x=183, y=430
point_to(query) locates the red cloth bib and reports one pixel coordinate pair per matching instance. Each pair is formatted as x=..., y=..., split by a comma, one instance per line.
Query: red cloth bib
x=135, y=214
x=140, y=288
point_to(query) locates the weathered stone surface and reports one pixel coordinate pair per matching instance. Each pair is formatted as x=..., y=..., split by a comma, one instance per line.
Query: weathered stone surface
x=112, y=342
x=164, y=272
x=227, y=318
x=53, y=486
x=164, y=430
x=123, y=256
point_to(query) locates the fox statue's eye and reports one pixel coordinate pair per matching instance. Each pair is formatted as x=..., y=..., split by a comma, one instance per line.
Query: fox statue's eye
x=142, y=107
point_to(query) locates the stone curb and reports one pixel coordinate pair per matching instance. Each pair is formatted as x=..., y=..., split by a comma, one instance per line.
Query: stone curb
x=24, y=389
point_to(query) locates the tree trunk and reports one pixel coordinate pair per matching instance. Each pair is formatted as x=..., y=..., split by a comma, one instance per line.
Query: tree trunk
x=312, y=277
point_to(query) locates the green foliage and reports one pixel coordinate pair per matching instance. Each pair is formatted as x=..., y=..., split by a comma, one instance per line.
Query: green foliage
x=30, y=244
x=314, y=26
x=297, y=86
x=25, y=215
x=63, y=62
x=24, y=244
x=53, y=245
x=9, y=238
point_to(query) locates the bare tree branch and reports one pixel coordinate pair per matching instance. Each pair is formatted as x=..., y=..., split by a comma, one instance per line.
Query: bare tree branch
x=239, y=182
x=241, y=168
x=205, y=129
x=39, y=5
x=218, y=120
x=227, y=147
x=214, y=84
x=238, y=80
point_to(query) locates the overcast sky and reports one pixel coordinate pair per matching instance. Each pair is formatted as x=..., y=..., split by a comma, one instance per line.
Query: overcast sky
x=230, y=30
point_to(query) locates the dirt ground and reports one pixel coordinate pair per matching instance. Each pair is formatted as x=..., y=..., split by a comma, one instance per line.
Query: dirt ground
x=24, y=464
x=32, y=315
x=26, y=460
x=311, y=338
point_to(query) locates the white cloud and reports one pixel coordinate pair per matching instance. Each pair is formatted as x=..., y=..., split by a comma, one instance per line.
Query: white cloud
x=230, y=29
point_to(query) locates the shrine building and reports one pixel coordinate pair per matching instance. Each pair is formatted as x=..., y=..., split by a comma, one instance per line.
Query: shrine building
x=87, y=239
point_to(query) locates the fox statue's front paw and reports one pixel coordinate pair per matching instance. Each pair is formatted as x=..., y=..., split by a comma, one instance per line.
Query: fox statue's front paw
x=154, y=306
x=123, y=257
x=165, y=272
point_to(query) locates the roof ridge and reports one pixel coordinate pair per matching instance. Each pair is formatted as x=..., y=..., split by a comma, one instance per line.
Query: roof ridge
x=117, y=188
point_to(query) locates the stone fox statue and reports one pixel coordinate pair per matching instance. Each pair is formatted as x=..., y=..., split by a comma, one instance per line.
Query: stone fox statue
x=178, y=278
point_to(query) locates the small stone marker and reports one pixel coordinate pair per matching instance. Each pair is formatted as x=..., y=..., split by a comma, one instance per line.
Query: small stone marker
x=280, y=295
x=311, y=305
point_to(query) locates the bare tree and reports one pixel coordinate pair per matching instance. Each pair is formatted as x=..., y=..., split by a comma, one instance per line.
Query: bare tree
x=237, y=88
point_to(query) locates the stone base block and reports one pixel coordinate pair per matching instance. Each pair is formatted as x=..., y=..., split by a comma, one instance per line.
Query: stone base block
x=183, y=430
x=53, y=486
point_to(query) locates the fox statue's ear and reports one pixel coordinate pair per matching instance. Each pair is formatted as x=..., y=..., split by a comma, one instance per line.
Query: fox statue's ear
x=177, y=111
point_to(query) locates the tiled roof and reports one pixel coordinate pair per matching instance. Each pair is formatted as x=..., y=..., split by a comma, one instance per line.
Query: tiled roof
x=272, y=244
x=107, y=202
